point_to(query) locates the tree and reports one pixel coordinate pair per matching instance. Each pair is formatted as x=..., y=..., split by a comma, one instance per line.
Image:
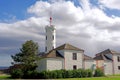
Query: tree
x=27, y=57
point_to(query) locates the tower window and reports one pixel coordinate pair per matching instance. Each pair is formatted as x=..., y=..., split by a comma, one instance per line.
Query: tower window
x=118, y=58
x=46, y=37
x=74, y=56
x=46, y=49
x=53, y=37
x=74, y=67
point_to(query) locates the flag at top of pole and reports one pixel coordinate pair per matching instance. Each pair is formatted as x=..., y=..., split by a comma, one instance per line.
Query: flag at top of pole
x=50, y=21
x=50, y=13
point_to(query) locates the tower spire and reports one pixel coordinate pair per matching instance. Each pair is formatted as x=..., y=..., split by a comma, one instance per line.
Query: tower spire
x=50, y=34
x=50, y=15
x=50, y=20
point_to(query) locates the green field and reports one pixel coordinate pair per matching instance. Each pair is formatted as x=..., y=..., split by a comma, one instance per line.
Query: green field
x=94, y=78
x=97, y=78
x=4, y=76
x=115, y=77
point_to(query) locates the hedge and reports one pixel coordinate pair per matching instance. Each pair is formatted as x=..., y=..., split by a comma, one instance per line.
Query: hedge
x=55, y=74
x=79, y=73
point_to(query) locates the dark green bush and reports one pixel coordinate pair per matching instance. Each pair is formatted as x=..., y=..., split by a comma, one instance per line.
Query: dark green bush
x=83, y=73
x=79, y=73
x=42, y=75
x=53, y=74
x=59, y=74
x=74, y=74
x=16, y=73
x=69, y=73
x=63, y=73
x=98, y=73
x=89, y=73
x=31, y=75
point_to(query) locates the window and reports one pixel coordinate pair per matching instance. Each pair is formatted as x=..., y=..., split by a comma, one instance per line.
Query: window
x=74, y=67
x=46, y=37
x=74, y=56
x=45, y=48
x=118, y=67
x=118, y=58
x=53, y=37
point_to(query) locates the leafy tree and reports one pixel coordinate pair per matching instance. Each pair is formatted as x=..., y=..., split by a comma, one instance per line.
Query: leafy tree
x=27, y=56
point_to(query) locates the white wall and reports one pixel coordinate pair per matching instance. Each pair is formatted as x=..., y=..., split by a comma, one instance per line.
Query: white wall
x=69, y=62
x=89, y=64
x=55, y=63
x=116, y=64
x=108, y=68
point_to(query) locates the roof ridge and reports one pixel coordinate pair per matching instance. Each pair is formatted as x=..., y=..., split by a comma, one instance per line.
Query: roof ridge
x=68, y=46
x=52, y=54
x=86, y=57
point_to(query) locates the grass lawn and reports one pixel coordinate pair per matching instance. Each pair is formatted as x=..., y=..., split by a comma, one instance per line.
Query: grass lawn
x=93, y=78
x=4, y=76
x=96, y=78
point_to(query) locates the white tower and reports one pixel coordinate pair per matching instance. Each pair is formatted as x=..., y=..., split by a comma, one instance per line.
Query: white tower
x=50, y=37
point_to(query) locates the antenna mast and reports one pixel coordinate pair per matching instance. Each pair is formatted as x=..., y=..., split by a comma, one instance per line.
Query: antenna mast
x=50, y=20
x=50, y=15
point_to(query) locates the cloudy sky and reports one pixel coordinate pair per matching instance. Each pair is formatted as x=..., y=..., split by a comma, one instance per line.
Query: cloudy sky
x=92, y=25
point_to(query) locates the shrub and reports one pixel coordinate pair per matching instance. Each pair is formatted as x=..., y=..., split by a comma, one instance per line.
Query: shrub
x=31, y=75
x=68, y=73
x=84, y=73
x=89, y=73
x=59, y=73
x=45, y=74
x=98, y=73
x=42, y=74
x=53, y=74
x=16, y=73
x=74, y=74
x=79, y=73
x=63, y=73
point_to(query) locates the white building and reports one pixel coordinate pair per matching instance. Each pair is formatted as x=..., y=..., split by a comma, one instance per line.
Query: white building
x=66, y=57
x=70, y=57
x=108, y=61
x=50, y=38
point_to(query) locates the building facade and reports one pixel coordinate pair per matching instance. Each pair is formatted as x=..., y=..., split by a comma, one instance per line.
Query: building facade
x=69, y=57
x=109, y=61
x=50, y=40
x=66, y=57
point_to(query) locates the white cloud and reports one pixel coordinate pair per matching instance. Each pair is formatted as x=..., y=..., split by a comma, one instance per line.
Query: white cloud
x=40, y=8
x=112, y=4
x=86, y=27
